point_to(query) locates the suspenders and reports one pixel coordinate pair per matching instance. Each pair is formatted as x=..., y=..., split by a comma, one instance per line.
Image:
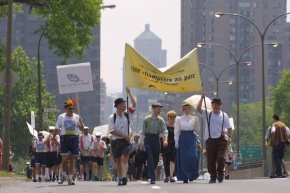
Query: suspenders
x=208, y=124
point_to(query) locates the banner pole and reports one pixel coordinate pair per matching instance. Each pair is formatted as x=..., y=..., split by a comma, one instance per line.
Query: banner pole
x=78, y=105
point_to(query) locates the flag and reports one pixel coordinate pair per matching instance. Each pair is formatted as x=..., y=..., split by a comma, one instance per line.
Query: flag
x=32, y=131
x=184, y=76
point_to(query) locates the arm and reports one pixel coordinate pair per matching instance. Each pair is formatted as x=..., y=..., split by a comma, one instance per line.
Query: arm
x=196, y=125
x=133, y=101
x=198, y=108
x=176, y=131
x=81, y=124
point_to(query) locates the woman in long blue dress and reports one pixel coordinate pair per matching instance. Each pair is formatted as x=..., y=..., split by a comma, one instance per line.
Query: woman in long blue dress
x=186, y=144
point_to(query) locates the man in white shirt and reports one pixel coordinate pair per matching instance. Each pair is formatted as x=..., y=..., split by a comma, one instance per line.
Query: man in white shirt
x=85, y=141
x=216, y=142
x=70, y=125
x=119, y=123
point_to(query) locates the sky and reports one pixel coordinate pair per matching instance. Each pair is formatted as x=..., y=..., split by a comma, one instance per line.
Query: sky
x=126, y=22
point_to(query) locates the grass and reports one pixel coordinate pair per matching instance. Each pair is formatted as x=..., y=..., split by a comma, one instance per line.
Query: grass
x=9, y=174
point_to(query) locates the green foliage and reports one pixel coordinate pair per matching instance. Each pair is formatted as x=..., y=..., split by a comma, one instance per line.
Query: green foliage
x=280, y=96
x=24, y=100
x=68, y=24
x=251, y=123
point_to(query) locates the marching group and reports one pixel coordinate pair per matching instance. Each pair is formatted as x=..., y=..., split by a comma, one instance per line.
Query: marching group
x=174, y=142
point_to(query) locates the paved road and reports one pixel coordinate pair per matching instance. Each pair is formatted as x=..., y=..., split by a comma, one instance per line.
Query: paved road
x=199, y=186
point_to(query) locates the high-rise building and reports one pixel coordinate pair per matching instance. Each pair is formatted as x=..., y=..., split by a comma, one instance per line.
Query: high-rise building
x=199, y=24
x=24, y=26
x=150, y=46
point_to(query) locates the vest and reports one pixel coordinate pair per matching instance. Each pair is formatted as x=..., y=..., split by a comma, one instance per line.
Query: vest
x=280, y=133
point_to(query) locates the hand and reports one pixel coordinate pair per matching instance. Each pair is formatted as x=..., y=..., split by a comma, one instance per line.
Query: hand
x=229, y=140
x=128, y=89
x=165, y=143
x=202, y=95
x=81, y=122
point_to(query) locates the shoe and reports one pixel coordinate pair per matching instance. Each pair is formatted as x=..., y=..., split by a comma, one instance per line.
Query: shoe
x=172, y=179
x=166, y=179
x=272, y=175
x=185, y=181
x=152, y=182
x=285, y=174
x=220, y=179
x=71, y=182
x=39, y=179
x=212, y=180
x=34, y=180
x=120, y=183
x=61, y=180
x=227, y=177
x=124, y=181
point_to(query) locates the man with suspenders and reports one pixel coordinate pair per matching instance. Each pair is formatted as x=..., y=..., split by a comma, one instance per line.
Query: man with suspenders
x=216, y=142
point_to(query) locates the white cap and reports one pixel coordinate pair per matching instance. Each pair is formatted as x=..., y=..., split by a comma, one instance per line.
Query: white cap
x=98, y=133
x=85, y=127
x=51, y=128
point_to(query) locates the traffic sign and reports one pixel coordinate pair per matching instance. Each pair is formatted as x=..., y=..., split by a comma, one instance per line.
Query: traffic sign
x=49, y=110
x=251, y=152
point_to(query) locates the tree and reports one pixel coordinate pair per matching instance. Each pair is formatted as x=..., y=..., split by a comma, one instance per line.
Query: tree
x=68, y=24
x=23, y=100
x=280, y=97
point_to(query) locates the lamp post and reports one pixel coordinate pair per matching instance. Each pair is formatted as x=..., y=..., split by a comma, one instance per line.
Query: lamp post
x=262, y=37
x=217, y=77
x=217, y=83
x=237, y=62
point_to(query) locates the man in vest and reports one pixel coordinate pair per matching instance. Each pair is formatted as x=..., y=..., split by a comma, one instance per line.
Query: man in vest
x=119, y=129
x=278, y=142
x=70, y=125
x=85, y=141
x=153, y=126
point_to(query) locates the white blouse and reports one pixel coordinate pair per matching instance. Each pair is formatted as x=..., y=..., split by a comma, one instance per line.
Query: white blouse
x=185, y=123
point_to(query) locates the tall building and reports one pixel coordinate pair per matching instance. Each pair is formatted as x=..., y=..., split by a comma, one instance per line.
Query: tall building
x=199, y=24
x=150, y=46
x=24, y=26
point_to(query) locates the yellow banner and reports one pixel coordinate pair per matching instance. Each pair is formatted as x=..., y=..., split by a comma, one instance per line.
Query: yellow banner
x=184, y=76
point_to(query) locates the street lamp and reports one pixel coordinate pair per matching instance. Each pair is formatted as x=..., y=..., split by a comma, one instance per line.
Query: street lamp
x=217, y=83
x=262, y=37
x=237, y=61
x=217, y=77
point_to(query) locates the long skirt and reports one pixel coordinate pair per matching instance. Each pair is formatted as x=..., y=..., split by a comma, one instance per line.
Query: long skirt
x=187, y=157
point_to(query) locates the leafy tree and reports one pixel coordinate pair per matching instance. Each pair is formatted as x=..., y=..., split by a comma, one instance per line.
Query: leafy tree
x=280, y=96
x=23, y=100
x=68, y=24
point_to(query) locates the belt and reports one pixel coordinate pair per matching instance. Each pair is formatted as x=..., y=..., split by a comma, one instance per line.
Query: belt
x=151, y=134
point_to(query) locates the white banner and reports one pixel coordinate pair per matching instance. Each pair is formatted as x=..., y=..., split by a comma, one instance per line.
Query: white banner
x=74, y=78
x=32, y=119
x=32, y=131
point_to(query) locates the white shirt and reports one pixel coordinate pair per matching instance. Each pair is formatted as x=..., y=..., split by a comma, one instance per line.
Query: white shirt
x=273, y=129
x=39, y=146
x=216, y=122
x=121, y=123
x=86, y=141
x=68, y=125
x=185, y=123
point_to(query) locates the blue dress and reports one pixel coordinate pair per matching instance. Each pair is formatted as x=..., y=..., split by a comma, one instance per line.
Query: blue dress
x=187, y=159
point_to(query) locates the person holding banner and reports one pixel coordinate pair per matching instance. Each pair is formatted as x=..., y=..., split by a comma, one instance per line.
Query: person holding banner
x=216, y=141
x=69, y=124
x=119, y=123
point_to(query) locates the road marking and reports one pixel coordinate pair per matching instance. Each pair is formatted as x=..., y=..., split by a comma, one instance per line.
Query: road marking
x=155, y=187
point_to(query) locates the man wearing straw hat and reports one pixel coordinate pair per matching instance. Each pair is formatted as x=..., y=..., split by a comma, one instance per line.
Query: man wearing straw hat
x=216, y=141
x=119, y=128
x=69, y=124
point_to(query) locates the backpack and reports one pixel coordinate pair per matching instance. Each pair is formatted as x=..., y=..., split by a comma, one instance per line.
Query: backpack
x=126, y=114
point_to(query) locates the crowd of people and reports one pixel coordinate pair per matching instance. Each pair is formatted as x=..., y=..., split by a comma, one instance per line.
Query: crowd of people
x=69, y=152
